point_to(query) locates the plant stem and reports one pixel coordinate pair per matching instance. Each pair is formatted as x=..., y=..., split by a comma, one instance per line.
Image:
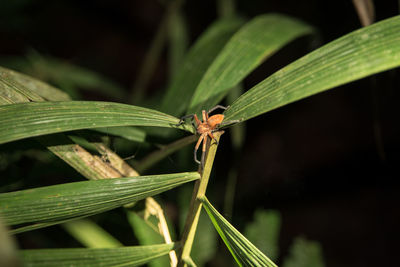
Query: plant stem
x=199, y=191
x=158, y=155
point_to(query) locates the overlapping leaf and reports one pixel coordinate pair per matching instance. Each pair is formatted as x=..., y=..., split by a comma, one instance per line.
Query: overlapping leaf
x=198, y=59
x=244, y=252
x=246, y=50
x=86, y=257
x=356, y=55
x=24, y=120
x=16, y=87
x=80, y=199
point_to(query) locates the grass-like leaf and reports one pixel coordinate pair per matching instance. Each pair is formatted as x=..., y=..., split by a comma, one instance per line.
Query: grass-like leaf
x=90, y=234
x=85, y=257
x=15, y=83
x=198, y=59
x=80, y=199
x=356, y=55
x=244, y=252
x=24, y=120
x=246, y=50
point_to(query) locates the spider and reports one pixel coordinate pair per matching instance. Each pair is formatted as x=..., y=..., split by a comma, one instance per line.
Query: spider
x=206, y=128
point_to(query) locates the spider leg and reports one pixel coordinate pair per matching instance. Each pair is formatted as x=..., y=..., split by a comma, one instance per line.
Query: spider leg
x=205, y=116
x=212, y=137
x=217, y=107
x=201, y=138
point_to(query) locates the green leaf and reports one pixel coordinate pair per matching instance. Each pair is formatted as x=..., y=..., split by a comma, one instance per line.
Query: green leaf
x=85, y=257
x=356, y=55
x=90, y=234
x=81, y=199
x=129, y=133
x=147, y=233
x=304, y=253
x=197, y=61
x=34, y=90
x=24, y=120
x=247, y=49
x=264, y=232
x=244, y=252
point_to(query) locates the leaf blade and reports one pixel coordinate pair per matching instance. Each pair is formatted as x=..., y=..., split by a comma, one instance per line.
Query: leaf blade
x=247, y=49
x=195, y=64
x=24, y=120
x=356, y=55
x=82, y=199
x=244, y=252
x=124, y=256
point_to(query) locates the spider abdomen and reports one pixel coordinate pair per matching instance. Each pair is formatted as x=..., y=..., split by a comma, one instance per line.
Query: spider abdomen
x=214, y=120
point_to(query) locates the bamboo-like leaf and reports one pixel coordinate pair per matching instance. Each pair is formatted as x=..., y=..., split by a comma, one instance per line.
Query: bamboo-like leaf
x=91, y=234
x=356, y=55
x=33, y=89
x=85, y=257
x=24, y=120
x=247, y=49
x=129, y=133
x=67, y=201
x=198, y=59
x=244, y=252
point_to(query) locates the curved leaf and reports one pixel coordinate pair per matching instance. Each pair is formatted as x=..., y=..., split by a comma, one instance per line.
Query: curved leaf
x=198, y=59
x=65, y=201
x=356, y=55
x=247, y=49
x=244, y=252
x=24, y=120
x=85, y=257
x=34, y=90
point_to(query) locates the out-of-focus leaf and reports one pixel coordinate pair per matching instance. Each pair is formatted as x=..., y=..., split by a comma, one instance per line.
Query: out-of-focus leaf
x=18, y=121
x=90, y=234
x=8, y=248
x=263, y=232
x=244, y=252
x=356, y=55
x=85, y=257
x=14, y=83
x=147, y=233
x=197, y=61
x=178, y=41
x=80, y=199
x=247, y=49
x=304, y=253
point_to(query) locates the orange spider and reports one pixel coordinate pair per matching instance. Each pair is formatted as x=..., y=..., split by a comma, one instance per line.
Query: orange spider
x=205, y=128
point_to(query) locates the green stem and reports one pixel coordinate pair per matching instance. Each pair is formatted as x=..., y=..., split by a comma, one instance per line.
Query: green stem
x=199, y=191
x=156, y=156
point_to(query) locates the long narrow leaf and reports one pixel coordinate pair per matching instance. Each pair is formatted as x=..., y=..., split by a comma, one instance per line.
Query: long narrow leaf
x=198, y=59
x=247, y=49
x=356, y=55
x=244, y=252
x=24, y=120
x=85, y=257
x=32, y=88
x=79, y=199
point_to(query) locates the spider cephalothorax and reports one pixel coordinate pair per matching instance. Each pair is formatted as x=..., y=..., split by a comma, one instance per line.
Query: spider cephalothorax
x=206, y=128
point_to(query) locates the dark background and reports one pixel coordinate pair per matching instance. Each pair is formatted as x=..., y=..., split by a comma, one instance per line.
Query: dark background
x=329, y=163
